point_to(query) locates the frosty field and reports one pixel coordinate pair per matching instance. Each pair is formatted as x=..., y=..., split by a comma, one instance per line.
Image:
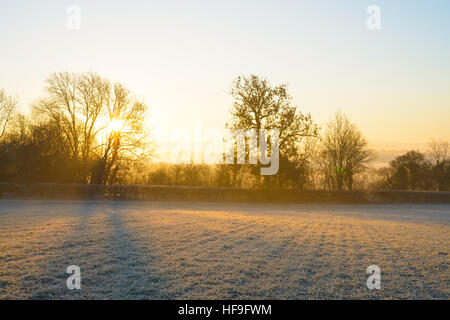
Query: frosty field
x=148, y=250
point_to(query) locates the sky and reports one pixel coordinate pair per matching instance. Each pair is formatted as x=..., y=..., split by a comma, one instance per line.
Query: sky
x=182, y=56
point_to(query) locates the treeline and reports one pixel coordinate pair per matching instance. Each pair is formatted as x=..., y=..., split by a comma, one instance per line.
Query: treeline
x=417, y=171
x=411, y=171
x=90, y=130
x=86, y=130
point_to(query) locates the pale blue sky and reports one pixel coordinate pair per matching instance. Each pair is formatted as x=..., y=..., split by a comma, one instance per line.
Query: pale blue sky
x=181, y=57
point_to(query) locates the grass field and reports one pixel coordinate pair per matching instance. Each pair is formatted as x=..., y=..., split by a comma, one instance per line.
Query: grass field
x=148, y=250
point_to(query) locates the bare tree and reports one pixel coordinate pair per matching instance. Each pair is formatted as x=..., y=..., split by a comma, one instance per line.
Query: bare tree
x=7, y=106
x=125, y=138
x=439, y=155
x=100, y=124
x=344, y=152
x=439, y=151
x=62, y=107
x=93, y=98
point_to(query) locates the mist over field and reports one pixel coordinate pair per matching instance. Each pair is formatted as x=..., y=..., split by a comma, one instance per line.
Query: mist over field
x=160, y=250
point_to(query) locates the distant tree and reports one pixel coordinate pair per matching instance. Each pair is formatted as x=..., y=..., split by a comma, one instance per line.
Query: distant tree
x=298, y=171
x=410, y=171
x=223, y=176
x=440, y=174
x=159, y=175
x=439, y=154
x=344, y=152
x=7, y=106
x=259, y=105
x=439, y=151
x=32, y=152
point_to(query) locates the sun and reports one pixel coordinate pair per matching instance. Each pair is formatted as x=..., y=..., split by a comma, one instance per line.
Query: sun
x=116, y=125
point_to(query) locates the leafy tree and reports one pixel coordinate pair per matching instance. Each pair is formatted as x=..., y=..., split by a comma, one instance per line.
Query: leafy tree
x=259, y=105
x=410, y=172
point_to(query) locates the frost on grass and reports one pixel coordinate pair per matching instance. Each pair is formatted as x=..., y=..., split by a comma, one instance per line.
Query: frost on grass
x=143, y=250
